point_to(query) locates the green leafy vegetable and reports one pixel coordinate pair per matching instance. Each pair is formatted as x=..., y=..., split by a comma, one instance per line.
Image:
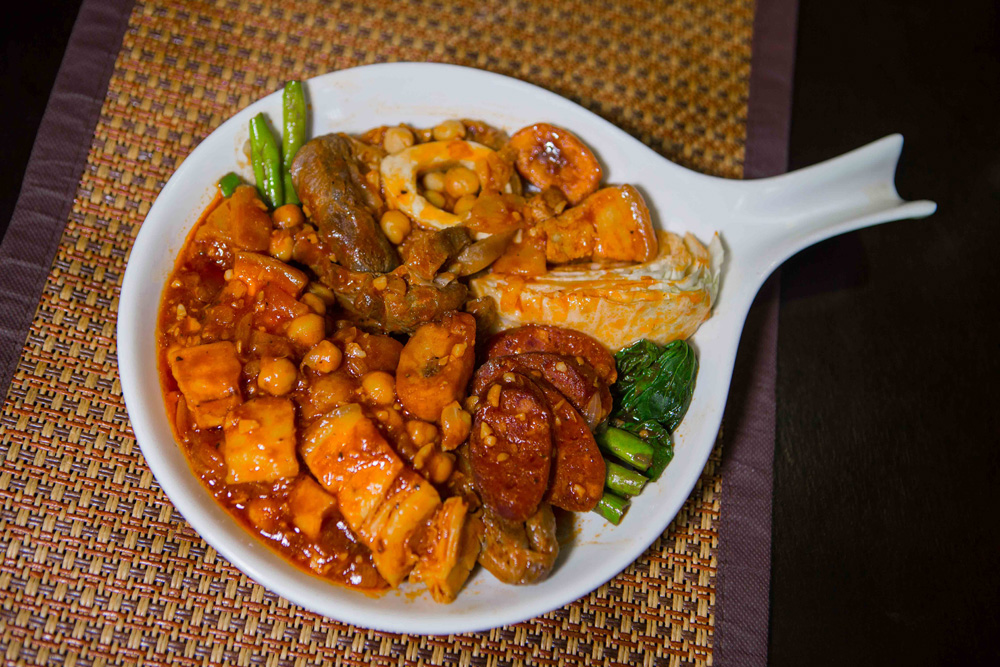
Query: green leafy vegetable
x=655, y=383
x=654, y=389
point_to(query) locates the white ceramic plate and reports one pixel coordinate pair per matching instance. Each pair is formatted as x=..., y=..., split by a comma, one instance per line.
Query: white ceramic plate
x=761, y=223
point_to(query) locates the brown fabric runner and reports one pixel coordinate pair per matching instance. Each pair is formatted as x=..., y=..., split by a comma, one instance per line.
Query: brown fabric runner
x=744, y=573
x=98, y=567
x=53, y=173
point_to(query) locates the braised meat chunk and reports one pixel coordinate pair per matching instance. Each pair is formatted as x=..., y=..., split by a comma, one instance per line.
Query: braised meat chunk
x=330, y=179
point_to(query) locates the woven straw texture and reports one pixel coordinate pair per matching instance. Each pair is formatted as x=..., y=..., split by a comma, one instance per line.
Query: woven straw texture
x=98, y=567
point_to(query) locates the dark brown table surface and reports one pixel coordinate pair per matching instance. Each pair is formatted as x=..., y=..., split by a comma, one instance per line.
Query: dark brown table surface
x=886, y=498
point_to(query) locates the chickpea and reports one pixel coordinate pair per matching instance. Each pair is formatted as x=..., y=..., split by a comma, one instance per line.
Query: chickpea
x=434, y=180
x=448, y=130
x=331, y=391
x=423, y=135
x=277, y=376
x=390, y=418
x=464, y=204
x=455, y=426
x=380, y=387
x=396, y=226
x=421, y=432
x=314, y=302
x=323, y=292
x=423, y=455
x=288, y=216
x=440, y=467
x=307, y=330
x=459, y=181
x=281, y=245
x=324, y=357
x=435, y=198
x=397, y=139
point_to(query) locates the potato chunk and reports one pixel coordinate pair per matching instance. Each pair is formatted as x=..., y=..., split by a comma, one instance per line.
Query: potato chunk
x=208, y=376
x=309, y=504
x=260, y=441
x=613, y=223
x=241, y=220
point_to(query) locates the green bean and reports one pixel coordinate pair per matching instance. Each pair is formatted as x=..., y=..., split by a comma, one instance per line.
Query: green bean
x=623, y=481
x=612, y=507
x=266, y=162
x=293, y=109
x=229, y=183
x=626, y=447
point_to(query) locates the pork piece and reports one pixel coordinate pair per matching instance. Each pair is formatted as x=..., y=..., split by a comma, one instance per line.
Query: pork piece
x=485, y=134
x=578, y=382
x=394, y=302
x=260, y=441
x=329, y=174
x=240, y=220
x=425, y=252
x=367, y=352
x=257, y=270
x=613, y=223
x=208, y=377
x=448, y=550
x=382, y=500
x=558, y=340
x=510, y=447
x=518, y=552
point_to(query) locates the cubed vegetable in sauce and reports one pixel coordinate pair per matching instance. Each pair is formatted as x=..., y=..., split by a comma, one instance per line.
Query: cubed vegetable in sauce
x=309, y=504
x=208, y=376
x=259, y=441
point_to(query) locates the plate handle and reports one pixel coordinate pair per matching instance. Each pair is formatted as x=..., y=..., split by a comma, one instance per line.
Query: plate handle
x=784, y=214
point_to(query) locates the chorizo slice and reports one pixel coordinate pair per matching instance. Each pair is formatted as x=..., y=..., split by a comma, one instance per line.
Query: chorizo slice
x=549, y=156
x=579, y=383
x=436, y=364
x=557, y=340
x=577, y=466
x=510, y=448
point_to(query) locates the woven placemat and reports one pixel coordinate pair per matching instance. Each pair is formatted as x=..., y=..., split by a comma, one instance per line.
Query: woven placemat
x=98, y=566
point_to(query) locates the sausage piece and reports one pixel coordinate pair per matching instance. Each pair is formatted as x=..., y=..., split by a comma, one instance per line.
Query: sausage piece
x=510, y=448
x=577, y=466
x=549, y=156
x=545, y=338
x=578, y=382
